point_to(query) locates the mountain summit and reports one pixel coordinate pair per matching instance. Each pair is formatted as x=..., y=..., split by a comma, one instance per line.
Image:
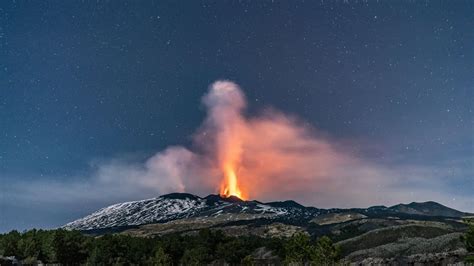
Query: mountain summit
x=429, y=208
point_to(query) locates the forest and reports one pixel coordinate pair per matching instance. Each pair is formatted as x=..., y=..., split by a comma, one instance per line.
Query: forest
x=204, y=247
x=207, y=246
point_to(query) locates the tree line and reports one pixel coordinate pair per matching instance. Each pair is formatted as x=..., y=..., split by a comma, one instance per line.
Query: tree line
x=205, y=247
x=468, y=240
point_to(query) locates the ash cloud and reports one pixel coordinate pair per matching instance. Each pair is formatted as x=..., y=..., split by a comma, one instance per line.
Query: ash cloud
x=277, y=157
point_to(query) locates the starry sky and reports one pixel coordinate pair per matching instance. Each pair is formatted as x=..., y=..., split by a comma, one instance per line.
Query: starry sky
x=86, y=81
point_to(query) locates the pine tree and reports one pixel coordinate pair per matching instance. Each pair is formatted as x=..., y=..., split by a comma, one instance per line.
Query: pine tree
x=160, y=258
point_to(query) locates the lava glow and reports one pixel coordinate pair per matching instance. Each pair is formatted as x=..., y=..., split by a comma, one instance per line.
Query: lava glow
x=225, y=103
x=229, y=186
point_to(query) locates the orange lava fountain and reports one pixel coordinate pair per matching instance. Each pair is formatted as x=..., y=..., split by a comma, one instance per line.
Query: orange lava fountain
x=229, y=186
x=226, y=102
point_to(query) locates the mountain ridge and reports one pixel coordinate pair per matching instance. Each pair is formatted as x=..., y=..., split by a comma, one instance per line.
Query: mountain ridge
x=176, y=206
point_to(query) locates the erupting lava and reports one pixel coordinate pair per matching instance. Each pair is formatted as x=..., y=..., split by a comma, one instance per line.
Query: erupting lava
x=226, y=102
x=229, y=186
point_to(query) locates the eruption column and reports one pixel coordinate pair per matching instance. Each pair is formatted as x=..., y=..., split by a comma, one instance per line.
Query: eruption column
x=225, y=102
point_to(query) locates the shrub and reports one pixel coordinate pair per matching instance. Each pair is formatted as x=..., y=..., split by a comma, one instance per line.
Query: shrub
x=468, y=238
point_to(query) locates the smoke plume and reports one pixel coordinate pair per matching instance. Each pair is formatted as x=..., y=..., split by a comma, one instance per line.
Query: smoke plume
x=270, y=156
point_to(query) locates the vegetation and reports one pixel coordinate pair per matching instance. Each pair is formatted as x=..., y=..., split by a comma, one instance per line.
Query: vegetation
x=468, y=240
x=72, y=248
x=299, y=249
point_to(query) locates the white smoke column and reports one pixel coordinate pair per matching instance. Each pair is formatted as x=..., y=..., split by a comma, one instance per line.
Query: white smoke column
x=225, y=103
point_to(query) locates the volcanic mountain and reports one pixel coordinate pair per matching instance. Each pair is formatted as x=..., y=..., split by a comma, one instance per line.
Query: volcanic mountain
x=425, y=232
x=176, y=206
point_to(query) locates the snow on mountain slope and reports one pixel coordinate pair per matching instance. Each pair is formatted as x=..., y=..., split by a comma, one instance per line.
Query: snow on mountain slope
x=166, y=208
x=139, y=212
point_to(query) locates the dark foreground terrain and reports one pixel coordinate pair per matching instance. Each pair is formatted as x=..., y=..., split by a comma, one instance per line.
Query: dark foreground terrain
x=204, y=247
x=184, y=229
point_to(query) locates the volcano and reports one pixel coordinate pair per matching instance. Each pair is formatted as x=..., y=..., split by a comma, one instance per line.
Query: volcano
x=177, y=206
x=185, y=206
x=385, y=233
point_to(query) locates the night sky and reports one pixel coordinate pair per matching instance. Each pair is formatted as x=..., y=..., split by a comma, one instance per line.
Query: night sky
x=82, y=82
